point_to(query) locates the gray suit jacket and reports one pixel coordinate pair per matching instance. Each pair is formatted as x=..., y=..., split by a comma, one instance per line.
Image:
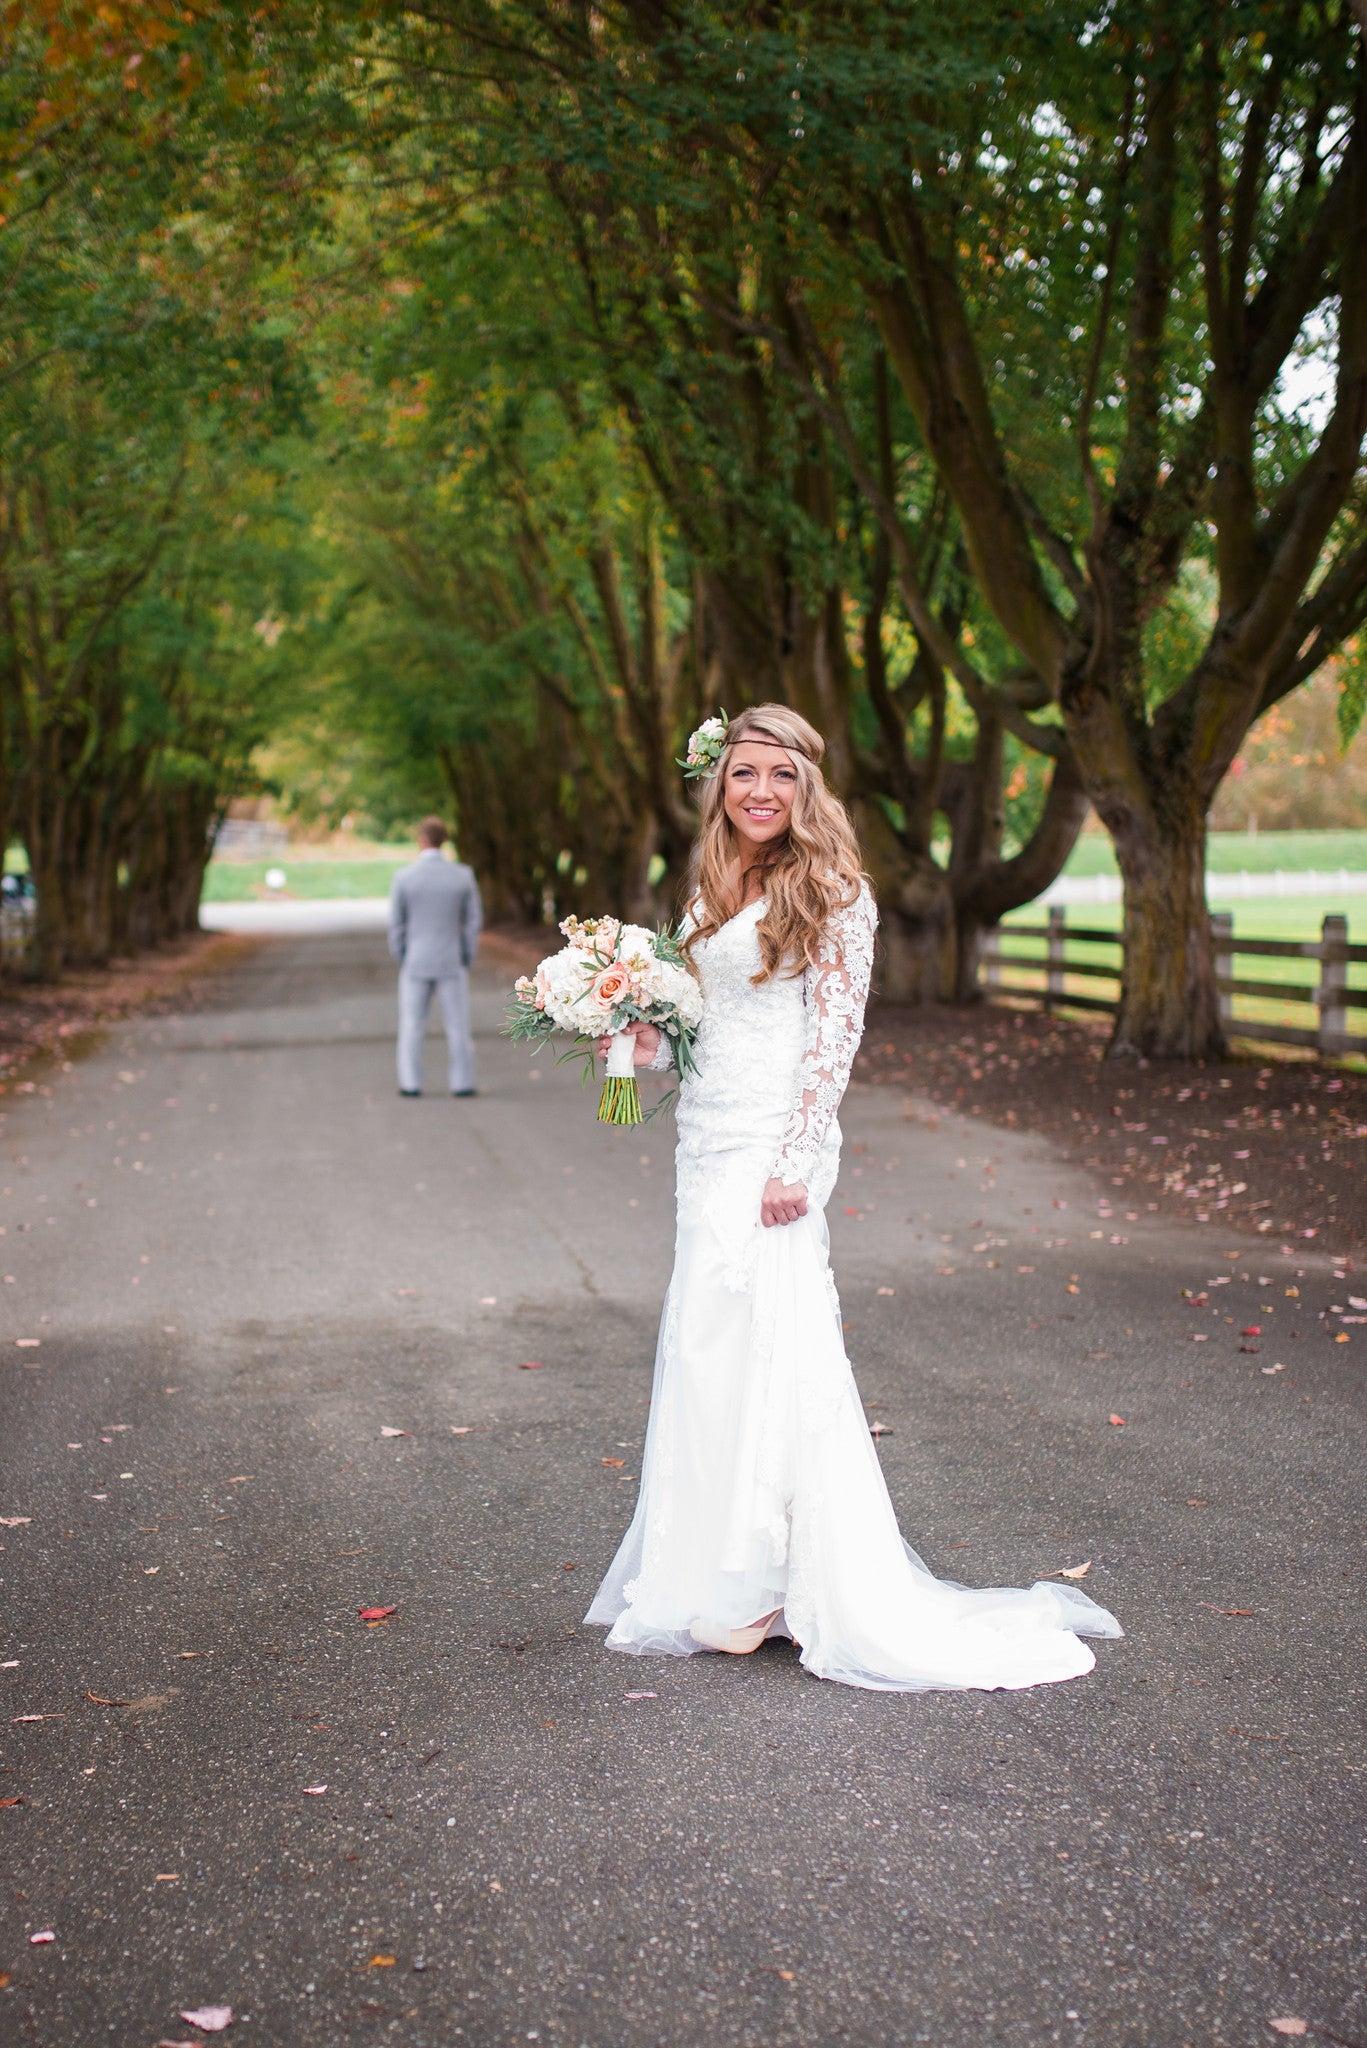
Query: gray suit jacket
x=434, y=917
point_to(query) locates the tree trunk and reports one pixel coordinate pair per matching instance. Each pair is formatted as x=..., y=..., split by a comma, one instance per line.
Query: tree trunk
x=1169, y=1006
x=985, y=892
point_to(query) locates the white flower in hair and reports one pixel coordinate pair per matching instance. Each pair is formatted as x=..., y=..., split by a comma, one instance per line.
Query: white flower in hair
x=705, y=748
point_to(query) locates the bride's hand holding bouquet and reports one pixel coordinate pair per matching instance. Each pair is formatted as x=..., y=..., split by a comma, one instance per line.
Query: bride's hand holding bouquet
x=617, y=989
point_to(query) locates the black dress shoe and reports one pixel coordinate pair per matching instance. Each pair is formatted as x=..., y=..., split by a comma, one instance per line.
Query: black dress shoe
x=410, y=1093
x=458, y=1092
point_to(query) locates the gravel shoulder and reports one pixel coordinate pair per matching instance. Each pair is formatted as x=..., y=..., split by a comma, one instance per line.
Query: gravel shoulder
x=1275, y=1147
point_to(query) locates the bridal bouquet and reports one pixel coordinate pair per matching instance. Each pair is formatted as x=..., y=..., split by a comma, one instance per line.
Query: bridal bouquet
x=611, y=975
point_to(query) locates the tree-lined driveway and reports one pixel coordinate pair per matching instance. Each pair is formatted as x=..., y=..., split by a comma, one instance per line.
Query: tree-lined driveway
x=304, y=1349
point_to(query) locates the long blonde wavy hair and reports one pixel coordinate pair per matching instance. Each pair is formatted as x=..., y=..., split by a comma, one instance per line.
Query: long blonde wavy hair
x=809, y=874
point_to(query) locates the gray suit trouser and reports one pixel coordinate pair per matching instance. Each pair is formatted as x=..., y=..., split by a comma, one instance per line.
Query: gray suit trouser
x=415, y=996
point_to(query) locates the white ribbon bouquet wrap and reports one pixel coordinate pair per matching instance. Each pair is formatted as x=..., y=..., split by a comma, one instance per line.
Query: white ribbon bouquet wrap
x=609, y=976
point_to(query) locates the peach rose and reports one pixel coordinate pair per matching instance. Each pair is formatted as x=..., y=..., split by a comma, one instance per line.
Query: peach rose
x=612, y=985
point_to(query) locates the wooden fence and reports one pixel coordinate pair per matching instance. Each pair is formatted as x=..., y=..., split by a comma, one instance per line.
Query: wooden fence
x=1051, y=976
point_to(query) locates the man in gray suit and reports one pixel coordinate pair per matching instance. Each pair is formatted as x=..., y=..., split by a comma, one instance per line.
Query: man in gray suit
x=434, y=921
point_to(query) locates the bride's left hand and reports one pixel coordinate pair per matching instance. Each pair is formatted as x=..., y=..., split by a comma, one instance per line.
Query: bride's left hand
x=782, y=1202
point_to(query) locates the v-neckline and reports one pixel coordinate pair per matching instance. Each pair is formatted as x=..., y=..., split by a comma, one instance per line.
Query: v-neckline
x=744, y=911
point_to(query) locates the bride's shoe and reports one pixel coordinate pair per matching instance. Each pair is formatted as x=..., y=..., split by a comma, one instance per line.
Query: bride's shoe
x=737, y=1642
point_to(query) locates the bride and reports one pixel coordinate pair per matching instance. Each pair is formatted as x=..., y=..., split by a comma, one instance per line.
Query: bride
x=762, y=1509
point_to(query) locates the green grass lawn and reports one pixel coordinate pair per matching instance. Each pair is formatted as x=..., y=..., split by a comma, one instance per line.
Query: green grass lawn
x=314, y=872
x=309, y=874
x=1228, y=852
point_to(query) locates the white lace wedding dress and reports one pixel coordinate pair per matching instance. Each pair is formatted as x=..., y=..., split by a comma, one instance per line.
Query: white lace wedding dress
x=760, y=1486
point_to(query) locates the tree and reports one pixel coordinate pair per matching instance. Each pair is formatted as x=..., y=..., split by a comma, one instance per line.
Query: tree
x=685, y=287
x=1204, y=172
x=1093, y=248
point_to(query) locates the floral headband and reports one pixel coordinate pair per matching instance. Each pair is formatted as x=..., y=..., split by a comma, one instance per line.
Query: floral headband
x=705, y=748
x=707, y=745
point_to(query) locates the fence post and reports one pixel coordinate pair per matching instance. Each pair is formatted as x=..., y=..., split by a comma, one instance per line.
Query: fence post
x=1332, y=1035
x=1222, y=951
x=1053, y=970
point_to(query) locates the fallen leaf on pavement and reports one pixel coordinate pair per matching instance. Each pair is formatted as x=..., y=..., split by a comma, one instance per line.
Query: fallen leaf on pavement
x=641, y=1695
x=531, y=1365
x=241, y=1479
x=1253, y=1330
x=382, y=1962
x=1244, y=1611
x=1118, y=1420
x=210, y=2019
x=15, y=1799
x=1074, y=1571
x=15, y=1521
x=18, y=1718
x=464, y=1429
x=887, y=1290
x=44, y=1934
x=312, y=1791
x=385, y=1430
x=880, y=1429
x=28, y=1343
x=168, y=1877
x=377, y=1613
x=1289, y=2025
x=616, y=1463
x=97, y=1700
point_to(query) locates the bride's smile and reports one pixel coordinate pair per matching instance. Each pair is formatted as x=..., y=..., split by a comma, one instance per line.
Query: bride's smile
x=757, y=792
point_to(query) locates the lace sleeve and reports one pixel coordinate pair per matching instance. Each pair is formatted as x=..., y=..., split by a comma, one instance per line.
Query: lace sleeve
x=664, y=1057
x=835, y=991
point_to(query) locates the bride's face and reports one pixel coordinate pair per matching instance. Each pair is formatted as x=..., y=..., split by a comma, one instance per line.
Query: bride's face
x=758, y=791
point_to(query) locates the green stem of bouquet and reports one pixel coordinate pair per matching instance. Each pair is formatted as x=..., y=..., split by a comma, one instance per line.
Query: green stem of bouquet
x=620, y=1101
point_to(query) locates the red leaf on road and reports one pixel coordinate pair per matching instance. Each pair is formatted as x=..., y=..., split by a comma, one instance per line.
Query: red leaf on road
x=1244, y=1612
x=616, y=1463
x=531, y=1365
x=1253, y=1330
x=369, y=1614
x=1118, y=1420
x=44, y=1934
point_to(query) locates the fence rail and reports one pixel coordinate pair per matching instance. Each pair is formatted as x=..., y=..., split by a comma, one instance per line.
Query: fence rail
x=1051, y=976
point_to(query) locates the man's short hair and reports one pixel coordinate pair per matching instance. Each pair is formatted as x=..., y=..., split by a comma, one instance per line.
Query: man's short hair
x=432, y=832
